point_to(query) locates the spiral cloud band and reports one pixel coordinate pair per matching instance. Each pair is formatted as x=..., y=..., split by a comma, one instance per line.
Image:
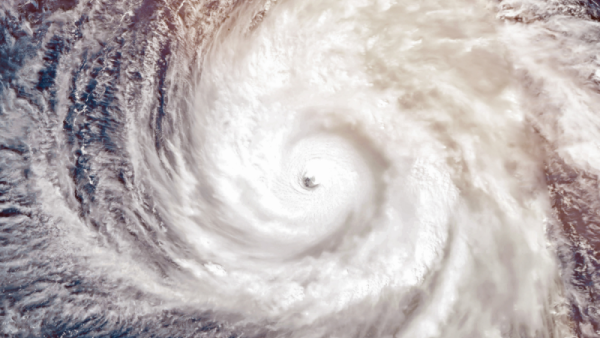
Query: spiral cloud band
x=335, y=168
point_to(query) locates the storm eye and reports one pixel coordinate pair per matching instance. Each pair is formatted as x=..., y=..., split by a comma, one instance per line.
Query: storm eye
x=310, y=182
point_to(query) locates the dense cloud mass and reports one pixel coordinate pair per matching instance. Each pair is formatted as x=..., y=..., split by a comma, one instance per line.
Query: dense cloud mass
x=333, y=168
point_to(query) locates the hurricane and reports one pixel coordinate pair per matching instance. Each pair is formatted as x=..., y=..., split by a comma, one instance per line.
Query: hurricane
x=331, y=168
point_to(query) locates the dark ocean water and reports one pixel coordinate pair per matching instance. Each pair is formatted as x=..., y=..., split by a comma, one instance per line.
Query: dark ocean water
x=97, y=100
